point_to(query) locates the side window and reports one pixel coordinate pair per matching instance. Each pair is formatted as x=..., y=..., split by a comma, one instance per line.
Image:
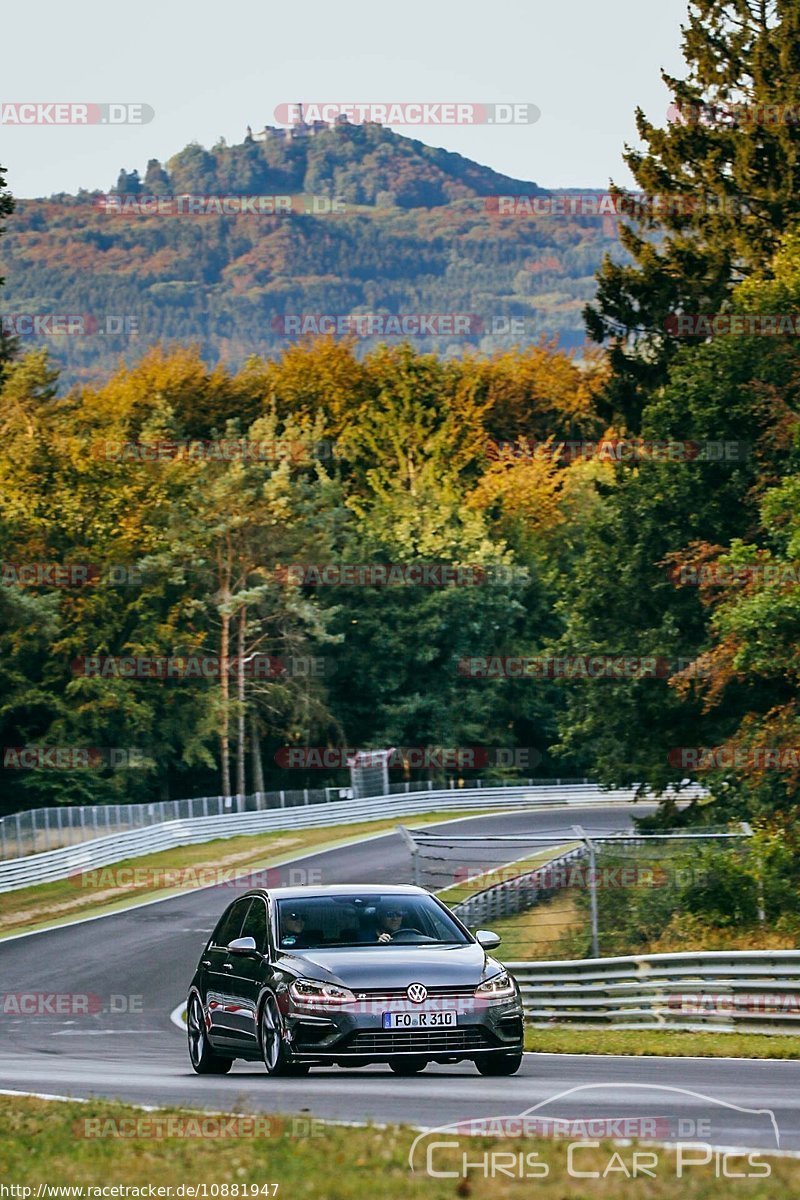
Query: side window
x=228, y=928
x=255, y=925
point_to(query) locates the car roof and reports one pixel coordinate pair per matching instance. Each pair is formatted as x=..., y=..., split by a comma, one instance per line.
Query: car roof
x=339, y=889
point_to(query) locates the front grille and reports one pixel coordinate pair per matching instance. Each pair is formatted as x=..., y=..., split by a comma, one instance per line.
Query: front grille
x=401, y=993
x=419, y=1041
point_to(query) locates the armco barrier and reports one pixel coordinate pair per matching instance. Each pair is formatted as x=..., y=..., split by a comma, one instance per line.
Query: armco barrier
x=100, y=852
x=513, y=896
x=38, y=829
x=756, y=989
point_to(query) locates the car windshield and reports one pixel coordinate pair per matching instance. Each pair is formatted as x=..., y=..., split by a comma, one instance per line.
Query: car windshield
x=323, y=922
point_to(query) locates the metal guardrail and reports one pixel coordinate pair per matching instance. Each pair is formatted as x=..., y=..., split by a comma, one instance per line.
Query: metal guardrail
x=526, y=889
x=715, y=990
x=102, y=851
x=516, y=895
x=39, y=829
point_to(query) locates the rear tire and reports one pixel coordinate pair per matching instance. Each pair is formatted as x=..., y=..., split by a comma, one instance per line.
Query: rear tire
x=499, y=1064
x=203, y=1059
x=408, y=1066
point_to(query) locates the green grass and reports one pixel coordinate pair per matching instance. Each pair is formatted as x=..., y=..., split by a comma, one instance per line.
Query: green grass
x=456, y=893
x=45, y=1142
x=538, y=932
x=666, y=1043
x=529, y=934
x=48, y=904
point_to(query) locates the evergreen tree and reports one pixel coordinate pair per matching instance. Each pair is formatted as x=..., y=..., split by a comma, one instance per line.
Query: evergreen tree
x=7, y=344
x=725, y=171
x=156, y=179
x=128, y=184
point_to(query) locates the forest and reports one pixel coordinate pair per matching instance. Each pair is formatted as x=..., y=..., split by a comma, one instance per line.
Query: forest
x=202, y=552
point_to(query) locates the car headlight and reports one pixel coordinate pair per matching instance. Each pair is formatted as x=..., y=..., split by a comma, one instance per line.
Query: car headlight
x=314, y=991
x=499, y=987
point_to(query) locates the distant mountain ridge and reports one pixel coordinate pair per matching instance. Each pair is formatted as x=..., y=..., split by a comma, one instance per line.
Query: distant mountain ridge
x=360, y=164
x=415, y=230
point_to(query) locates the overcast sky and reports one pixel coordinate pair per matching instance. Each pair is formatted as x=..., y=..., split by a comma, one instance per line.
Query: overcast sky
x=208, y=69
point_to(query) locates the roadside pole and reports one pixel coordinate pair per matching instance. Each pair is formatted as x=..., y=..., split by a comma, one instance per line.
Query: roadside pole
x=587, y=841
x=414, y=851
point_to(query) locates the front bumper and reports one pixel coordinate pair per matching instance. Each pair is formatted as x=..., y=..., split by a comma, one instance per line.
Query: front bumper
x=351, y=1034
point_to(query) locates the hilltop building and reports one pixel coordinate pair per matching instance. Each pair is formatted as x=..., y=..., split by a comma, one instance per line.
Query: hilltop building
x=299, y=129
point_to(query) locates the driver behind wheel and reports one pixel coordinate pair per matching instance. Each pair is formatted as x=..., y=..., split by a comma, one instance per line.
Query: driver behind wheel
x=293, y=933
x=390, y=919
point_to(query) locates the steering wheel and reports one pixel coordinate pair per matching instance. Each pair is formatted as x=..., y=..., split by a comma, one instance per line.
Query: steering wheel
x=415, y=932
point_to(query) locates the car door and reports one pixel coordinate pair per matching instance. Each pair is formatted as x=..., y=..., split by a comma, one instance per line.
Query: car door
x=221, y=1002
x=247, y=975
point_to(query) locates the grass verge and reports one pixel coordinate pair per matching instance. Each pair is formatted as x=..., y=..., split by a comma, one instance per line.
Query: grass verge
x=666, y=1043
x=46, y=1143
x=464, y=889
x=92, y=893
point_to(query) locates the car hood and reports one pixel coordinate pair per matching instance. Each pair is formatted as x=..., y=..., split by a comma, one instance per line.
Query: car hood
x=395, y=966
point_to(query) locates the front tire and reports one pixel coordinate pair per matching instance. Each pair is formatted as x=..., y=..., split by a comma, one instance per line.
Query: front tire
x=408, y=1066
x=499, y=1064
x=273, y=1045
x=203, y=1059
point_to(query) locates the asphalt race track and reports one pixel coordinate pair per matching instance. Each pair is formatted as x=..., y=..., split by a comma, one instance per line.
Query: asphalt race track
x=135, y=966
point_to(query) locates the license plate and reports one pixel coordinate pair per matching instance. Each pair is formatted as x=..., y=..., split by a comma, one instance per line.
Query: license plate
x=418, y=1020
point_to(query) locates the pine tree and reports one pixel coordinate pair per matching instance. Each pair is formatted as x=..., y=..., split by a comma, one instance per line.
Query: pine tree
x=725, y=170
x=156, y=179
x=8, y=345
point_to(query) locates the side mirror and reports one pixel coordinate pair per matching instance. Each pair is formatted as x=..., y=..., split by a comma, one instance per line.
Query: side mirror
x=487, y=939
x=245, y=946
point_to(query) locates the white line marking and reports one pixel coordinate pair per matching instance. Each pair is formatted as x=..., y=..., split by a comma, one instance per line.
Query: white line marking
x=178, y=1016
x=666, y=1057
x=101, y=1032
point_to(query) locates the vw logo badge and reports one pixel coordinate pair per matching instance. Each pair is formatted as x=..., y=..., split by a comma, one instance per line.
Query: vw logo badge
x=416, y=992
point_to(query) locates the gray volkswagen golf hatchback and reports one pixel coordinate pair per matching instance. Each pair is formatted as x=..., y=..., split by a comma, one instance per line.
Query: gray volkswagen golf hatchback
x=345, y=975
